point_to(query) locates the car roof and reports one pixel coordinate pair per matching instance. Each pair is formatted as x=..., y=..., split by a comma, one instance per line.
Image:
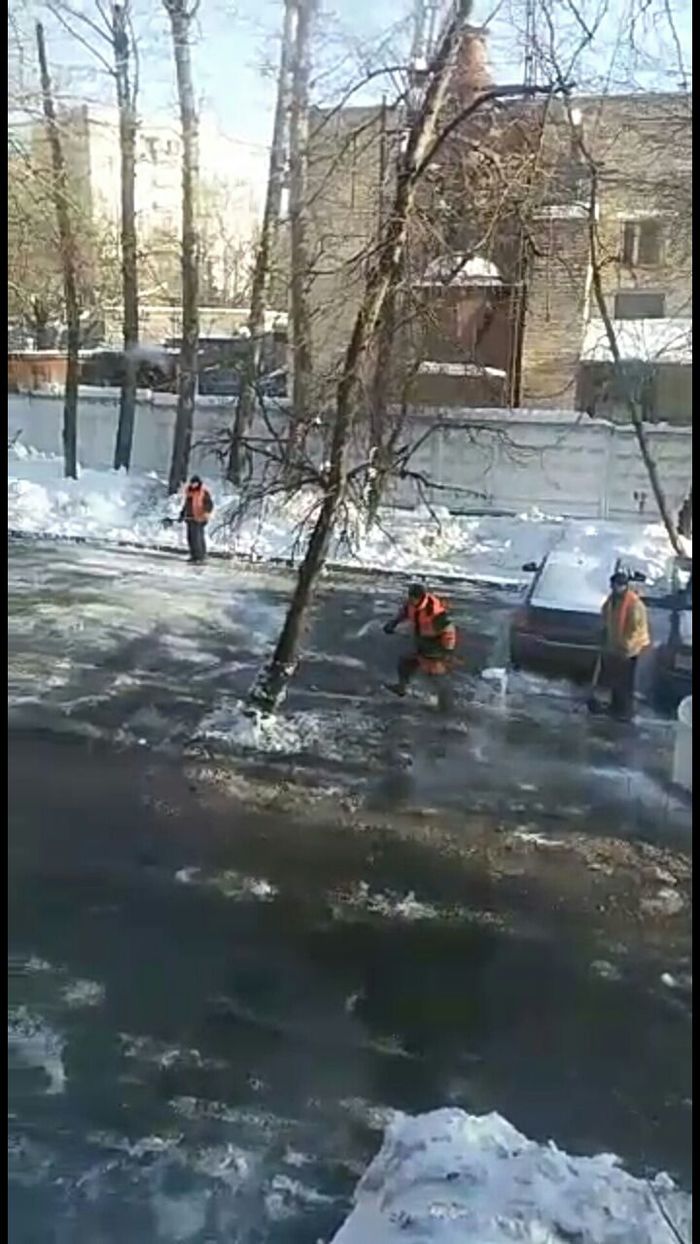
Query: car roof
x=573, y=581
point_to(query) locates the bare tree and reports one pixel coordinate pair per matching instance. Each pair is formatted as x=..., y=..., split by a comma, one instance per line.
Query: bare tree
x=100, y=34
x=126, y=101
x=181, y=17
x=422, y=143
x=245, y=405
x=68, y=263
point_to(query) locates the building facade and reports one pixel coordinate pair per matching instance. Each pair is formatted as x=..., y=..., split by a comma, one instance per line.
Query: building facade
x=497, y=300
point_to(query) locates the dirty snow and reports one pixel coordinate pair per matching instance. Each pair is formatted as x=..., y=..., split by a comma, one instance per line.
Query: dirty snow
x=448, y=1177
x=112, y=507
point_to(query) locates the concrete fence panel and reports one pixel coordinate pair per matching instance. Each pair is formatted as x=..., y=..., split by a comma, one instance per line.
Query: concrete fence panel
x=472, y=460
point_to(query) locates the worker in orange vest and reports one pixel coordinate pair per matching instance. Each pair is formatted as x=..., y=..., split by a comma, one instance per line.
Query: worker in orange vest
x=435, y=640
x=196, y=512
x=625, y=635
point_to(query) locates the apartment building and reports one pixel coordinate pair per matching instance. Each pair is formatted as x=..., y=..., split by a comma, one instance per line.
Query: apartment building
x=232, y=184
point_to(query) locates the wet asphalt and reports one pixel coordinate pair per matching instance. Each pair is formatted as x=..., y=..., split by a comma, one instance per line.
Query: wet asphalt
x=212, y=1005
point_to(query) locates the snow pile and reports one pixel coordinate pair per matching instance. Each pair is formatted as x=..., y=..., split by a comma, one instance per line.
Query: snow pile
x=451, y=1177
x=101, y=505
x=112, y=507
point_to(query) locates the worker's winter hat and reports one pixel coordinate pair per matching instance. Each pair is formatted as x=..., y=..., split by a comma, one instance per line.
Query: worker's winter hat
x=416, y=591
x=195, y=480
x=619, y=579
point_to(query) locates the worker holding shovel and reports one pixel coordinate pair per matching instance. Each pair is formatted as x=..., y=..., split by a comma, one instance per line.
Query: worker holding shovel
x=625, y=635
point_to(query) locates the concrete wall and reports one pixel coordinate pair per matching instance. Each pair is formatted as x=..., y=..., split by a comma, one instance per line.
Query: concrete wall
x=485, y=460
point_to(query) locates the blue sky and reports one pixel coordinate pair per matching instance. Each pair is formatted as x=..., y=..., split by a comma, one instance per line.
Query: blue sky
x=237, y=38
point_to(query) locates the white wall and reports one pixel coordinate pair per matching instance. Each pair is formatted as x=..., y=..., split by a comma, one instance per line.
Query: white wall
x=485, y=460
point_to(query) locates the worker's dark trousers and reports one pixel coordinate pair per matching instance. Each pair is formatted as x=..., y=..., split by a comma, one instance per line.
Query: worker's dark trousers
x=619, y=674
x=196, y=540
x=408, y=666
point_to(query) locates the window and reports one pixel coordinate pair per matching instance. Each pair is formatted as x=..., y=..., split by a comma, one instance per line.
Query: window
x=637, y=305
x=641, y=243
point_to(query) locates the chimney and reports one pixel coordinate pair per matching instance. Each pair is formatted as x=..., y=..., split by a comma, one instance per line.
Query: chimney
x=472, y=74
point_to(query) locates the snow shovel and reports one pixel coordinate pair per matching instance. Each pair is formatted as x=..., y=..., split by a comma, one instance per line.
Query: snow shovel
x=593, y=704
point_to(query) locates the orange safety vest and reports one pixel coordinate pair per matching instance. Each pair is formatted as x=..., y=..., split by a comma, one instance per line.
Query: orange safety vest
x=616, y=623
x=198, y=503
x=434, y=637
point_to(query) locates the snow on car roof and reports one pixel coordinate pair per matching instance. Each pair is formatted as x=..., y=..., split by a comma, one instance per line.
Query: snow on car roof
x=574, y=581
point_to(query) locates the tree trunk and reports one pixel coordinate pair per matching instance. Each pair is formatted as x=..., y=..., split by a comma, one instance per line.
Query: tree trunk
x=379, y=401
x=631, y=404
x=271, y=684
x=382, y=366
x=180, y=20
x=127, y=149
x=298, y=193
x=245, y=405
x=66, y=237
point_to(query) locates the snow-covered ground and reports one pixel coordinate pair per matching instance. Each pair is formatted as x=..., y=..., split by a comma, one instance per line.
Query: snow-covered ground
x=450, y=1177
x=115, y=508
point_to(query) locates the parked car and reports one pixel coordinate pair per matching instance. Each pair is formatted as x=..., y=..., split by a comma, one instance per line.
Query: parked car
x=557, y=627
x=673, y=656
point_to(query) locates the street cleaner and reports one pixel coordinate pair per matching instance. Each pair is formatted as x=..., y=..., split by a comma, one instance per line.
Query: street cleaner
x=625, y=635
x=196, y=513
x=435, y=638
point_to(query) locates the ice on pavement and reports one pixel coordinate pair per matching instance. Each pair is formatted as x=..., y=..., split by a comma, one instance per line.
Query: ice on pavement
x=117, y=508
x=449, y=1177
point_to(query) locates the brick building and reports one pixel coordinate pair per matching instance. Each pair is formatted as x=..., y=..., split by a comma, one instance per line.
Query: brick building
x=641, y=145
x=496, y=302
